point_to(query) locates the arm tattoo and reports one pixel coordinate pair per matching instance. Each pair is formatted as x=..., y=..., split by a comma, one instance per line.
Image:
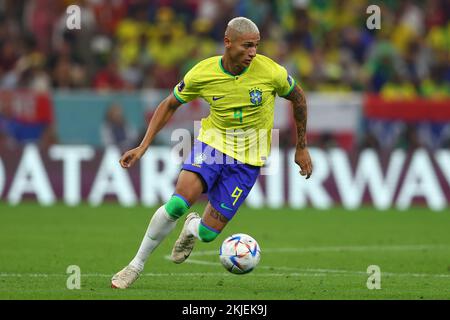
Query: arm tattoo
x=297, y=96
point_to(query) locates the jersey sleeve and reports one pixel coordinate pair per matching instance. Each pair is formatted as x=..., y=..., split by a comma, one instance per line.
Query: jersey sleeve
x=283, y=82
x=187, y=89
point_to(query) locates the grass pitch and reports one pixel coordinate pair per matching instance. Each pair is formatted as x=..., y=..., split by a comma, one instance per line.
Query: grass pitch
x=306, y=254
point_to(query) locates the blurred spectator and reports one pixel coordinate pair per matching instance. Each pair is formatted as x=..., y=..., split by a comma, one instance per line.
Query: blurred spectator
x=416, y=62
x=8, y=56
x=31, y=67
x=77, y=40
x=39, y=17
x=201, y=44
x=68, y=69
x=382, y=63
x=108, y=14
x=131, y=33
x=435, y=86
x=398, y=88
x=165, y=49
x=109, y=78
x=115, y=130
x=256, y=10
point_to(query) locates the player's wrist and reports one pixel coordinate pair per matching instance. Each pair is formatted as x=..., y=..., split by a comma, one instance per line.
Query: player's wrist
x=301, y=146
x=143, y=147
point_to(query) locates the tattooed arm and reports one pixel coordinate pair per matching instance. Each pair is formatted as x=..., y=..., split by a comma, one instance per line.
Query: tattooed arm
x=300, y=112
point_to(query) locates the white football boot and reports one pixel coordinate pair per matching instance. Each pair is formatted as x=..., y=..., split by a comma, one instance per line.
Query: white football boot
x=185, y=242
x=125, y=277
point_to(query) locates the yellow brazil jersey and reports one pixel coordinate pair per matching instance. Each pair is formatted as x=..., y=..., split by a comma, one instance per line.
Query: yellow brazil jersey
x=241, y=106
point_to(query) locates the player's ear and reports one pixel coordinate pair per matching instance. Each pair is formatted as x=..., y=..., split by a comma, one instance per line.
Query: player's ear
x=227, y=42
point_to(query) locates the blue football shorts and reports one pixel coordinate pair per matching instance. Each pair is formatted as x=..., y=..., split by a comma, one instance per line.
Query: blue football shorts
x=227, y=181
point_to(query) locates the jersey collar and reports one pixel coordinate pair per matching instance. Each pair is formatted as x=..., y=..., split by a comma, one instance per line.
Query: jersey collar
x=228, y=73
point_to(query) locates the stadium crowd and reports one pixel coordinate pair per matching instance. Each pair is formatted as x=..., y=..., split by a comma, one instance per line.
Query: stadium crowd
x=134, y=44
x=141, y=44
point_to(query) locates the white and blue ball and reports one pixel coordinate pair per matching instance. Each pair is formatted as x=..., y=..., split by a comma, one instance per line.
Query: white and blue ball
x=240, y=253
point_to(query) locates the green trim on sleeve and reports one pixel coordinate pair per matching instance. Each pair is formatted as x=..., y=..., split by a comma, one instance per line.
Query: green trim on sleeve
x=290, y=90
x=177, y=96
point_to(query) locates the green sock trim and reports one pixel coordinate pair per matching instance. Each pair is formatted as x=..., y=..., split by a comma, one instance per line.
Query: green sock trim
x=176, y=207
x=205, y=234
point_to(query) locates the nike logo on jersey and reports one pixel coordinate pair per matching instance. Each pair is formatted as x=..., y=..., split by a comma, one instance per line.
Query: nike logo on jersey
x=217, y=98
x=224, y=206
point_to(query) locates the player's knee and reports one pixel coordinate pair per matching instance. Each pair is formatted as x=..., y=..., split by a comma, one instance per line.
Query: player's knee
x=176, y=206
x=207, y=234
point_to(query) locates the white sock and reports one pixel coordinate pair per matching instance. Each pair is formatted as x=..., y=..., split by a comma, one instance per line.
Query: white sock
x=160, y=226
x=193, y=227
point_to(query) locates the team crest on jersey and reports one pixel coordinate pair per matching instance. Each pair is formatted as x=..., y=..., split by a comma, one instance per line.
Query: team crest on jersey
x=256, y=96
x=181, y=86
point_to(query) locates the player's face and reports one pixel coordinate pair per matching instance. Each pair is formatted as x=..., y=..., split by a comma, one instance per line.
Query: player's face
x=242, y=49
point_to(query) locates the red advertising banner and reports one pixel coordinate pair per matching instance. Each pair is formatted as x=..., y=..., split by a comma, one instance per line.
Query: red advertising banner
x=407, y=110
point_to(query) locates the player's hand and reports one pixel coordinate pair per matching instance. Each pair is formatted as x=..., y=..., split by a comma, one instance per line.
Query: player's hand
x=303, y=159
x=131, y=156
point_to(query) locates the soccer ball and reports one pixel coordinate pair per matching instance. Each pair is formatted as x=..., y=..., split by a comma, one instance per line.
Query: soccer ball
x=239, y=253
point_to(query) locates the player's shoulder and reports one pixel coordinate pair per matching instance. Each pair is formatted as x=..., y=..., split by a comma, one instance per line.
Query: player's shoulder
x=265, y=62
x=266, y=67
x=205, y=65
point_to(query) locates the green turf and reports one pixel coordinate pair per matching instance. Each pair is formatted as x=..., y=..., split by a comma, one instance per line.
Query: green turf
x=306, y=254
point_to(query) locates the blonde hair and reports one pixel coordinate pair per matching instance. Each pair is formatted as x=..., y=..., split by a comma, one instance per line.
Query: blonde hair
x=241, y=25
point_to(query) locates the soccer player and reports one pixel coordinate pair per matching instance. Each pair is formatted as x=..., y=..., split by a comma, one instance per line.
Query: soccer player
x=240, y=87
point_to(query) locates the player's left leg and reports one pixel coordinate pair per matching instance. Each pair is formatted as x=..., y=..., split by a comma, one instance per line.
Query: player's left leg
x=209, y=226
x=225, y=198
x=206, y=229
